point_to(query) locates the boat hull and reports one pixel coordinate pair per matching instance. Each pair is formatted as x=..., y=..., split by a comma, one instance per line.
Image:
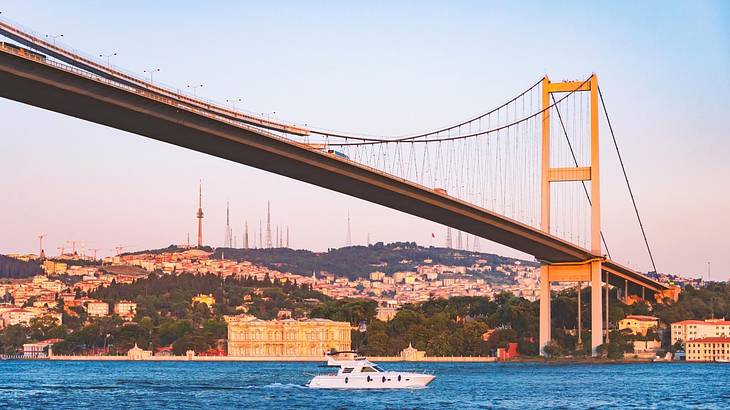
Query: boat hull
x=385, y=380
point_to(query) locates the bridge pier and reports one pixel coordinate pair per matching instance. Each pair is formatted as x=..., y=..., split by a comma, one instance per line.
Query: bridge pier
x=596, y=307
x=588, y=271
x=545, y=314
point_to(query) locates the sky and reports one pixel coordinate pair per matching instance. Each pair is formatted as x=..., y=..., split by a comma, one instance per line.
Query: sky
x=376, y=68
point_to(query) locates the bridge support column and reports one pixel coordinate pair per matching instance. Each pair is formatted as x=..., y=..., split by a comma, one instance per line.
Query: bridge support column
x=588, y=271
x=596, y=306
x=545, y=316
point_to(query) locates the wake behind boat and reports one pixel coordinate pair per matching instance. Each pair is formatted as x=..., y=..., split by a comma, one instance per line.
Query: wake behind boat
x=357, y=372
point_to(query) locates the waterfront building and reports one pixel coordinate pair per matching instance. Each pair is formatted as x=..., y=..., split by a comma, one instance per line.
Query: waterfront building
x=638, y=324
x=687, y=330
x=411, y=354
x=249, y=336
x=40, y=349
x=646, y=349
x=708, y=349
x=136, y=353
x=203, y=298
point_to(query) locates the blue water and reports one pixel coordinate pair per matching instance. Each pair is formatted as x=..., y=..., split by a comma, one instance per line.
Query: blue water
x=196, y=385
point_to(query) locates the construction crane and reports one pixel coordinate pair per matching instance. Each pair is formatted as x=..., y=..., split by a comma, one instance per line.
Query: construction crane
x=95, y=250
x=73, y=246
x=120, y=248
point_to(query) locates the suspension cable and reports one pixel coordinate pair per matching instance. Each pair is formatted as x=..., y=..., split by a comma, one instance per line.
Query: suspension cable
x=626, y=177
x=412, y=137
x=459, y=137
x=575, y=160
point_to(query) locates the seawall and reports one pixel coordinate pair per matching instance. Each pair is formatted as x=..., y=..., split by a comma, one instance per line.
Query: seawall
x=391, y=359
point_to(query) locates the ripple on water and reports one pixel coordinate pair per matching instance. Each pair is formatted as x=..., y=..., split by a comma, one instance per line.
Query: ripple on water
x=184, y=385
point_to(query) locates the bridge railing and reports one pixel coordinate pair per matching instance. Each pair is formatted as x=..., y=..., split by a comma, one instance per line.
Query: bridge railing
x=75, y=55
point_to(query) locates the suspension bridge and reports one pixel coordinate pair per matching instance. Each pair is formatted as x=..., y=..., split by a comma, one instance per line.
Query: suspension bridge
x=525, y=174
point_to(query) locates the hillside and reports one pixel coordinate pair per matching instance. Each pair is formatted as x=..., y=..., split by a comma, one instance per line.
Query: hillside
x=14, y=268
x=358, y=261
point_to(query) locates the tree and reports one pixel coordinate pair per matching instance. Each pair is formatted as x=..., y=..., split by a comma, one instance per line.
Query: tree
x=553, y=349
x=45, y=327
x=13, y=337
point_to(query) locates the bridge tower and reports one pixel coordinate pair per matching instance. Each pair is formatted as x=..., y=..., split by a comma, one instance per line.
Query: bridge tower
x=589, y=270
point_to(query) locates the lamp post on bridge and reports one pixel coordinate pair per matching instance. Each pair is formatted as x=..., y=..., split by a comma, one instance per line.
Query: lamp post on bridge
x=268, y=115
x=233, y=102
x=152, y=72
x=54, y=37
x=108, y=58
x=194, y=87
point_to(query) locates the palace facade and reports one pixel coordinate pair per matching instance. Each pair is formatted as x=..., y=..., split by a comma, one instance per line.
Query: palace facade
x=249, y=336
x=708, y=349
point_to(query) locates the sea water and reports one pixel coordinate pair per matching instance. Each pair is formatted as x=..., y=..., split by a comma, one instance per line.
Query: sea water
x=248, y=385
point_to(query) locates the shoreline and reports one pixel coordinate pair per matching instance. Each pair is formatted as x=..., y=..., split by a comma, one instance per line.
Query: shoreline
x=389, y=359
x=383, y=359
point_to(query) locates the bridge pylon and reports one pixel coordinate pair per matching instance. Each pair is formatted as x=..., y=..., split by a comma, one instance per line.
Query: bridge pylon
x=585, y=271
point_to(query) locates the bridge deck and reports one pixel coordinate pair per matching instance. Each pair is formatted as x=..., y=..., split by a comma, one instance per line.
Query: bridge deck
x=63, y=89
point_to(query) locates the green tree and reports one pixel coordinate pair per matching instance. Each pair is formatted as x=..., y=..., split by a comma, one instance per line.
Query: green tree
x=13, y=337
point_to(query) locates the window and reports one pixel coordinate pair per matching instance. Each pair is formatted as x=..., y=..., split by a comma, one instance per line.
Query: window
x=368, y=369
x=347, y=370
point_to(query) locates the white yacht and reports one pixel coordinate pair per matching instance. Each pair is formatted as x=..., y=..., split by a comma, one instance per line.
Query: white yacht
x=359, y=373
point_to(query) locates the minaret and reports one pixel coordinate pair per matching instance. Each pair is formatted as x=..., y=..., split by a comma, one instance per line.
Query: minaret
x=245, y=235
x=261, y=240
x=268, y=224
x=200, y=214
x=287, y=236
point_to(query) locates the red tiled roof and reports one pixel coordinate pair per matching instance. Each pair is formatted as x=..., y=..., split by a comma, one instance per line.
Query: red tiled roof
x=702, y=322
x=642, y=317
x=717, y=339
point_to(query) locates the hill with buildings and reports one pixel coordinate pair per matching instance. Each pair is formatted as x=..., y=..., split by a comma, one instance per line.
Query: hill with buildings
x=354, y=262
x=13, y=268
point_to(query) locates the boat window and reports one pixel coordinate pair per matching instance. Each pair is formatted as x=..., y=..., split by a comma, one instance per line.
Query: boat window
x=368, y=369
x=347, y=370
x=378, y=368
